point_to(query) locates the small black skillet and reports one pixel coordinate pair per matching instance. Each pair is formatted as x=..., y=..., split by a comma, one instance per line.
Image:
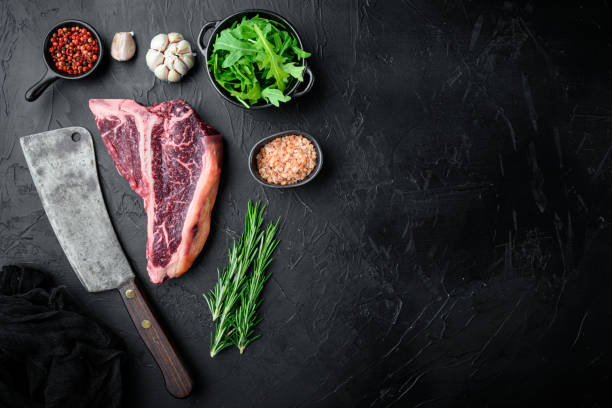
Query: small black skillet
x=52, y=74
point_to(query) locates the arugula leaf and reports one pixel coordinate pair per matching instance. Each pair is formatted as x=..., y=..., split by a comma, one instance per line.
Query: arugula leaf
x=294, y=70
x=274, y=96
x=232, y=58
x=254, y=93
x=257, y=58
x=300, y=52
x=226, y=41
x=271, y=60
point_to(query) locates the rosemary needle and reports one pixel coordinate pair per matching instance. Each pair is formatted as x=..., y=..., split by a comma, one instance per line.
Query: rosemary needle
x=222, y=299
x=246, y=319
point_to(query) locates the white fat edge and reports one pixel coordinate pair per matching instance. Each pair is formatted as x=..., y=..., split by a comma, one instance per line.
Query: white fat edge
x=198, y=202
x=142, y=119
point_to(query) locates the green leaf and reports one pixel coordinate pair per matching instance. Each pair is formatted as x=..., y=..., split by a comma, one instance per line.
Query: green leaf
x=276, y=40
x=271, y=60
x=294, y=70
x=226, y=41
x=232, y=58
x=286, y=43
x=300, y=52
x=254, y=94
x=274, y=96
x=243, y=32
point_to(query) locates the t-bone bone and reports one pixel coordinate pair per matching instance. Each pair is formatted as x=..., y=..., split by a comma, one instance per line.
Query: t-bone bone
x=172, y=160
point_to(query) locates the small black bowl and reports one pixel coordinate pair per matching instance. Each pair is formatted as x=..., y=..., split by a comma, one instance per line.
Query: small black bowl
x=262, y=142
x=220, y=25
x=52, y=74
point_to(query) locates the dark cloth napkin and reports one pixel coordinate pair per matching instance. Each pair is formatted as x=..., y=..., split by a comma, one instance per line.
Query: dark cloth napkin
x=50, y=354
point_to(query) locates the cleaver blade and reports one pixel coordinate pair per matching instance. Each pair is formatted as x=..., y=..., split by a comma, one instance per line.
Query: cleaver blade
x=62, y=163
x=63, y=166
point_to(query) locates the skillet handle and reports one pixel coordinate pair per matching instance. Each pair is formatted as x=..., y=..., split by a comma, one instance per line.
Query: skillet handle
x=203, y=31
x=309, y=84
x=177, y=379
x=38, y=88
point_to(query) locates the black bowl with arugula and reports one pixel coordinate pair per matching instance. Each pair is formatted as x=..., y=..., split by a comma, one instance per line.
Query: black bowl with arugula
x=255, y=59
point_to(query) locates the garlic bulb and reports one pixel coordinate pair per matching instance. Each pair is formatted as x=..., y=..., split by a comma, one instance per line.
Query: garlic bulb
x=123, y=47
x=170, y=57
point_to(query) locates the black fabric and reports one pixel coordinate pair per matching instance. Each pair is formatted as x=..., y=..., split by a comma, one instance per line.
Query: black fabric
x=51, y=355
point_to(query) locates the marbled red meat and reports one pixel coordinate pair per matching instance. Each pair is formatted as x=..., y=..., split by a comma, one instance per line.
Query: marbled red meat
x=172, y=160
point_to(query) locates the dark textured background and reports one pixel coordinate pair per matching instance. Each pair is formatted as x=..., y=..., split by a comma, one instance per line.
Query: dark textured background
x=455, y=250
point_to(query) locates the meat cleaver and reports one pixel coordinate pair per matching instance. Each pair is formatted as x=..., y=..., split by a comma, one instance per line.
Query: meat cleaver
x=63, y=166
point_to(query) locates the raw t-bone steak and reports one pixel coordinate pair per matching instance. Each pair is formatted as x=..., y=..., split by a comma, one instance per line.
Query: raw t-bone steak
x=172, y=160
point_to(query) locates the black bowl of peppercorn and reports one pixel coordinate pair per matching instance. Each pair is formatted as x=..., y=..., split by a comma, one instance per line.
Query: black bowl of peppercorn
x=71, y=50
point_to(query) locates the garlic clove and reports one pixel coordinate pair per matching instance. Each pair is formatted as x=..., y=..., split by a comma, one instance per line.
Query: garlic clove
x=171, y=50
x=161, y=72
x=188, y=60
x=123, y=47
x=179, y=66
x=183, y=47
x=159, y=42
x=169, y=61
x=174, y=76
x=174, y=37
x=154, y=58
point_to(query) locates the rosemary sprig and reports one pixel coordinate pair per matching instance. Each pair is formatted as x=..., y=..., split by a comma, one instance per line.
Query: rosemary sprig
x=245, y=320
x=223, y=298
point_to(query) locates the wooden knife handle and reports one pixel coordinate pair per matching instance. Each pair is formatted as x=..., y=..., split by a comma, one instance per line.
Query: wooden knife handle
x=178, y=381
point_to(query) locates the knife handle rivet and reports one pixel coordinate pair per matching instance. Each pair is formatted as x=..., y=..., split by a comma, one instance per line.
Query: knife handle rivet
x=130, y=293
x=145, y=324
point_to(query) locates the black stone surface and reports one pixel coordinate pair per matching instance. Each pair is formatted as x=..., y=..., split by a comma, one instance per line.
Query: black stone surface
x=456, y=248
